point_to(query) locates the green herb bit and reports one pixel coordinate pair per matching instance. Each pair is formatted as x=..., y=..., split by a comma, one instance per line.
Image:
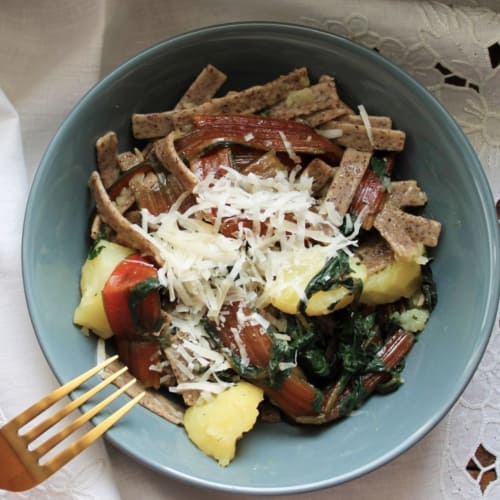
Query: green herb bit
x=316, y=362
x=97, y=247
x=412, y=320
x=392, y=384
x=376, y=364
x=429, y=288
x=280, y=353
x=333, y=394
x=379, y=167
x=353, y=398
x=301, y=332
x=318, y=401
x=336, y=272
x=359, y=342
x=270, y=374
x=137, y=295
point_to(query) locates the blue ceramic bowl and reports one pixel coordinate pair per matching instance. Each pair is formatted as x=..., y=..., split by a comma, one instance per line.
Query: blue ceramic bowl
x=276, y=458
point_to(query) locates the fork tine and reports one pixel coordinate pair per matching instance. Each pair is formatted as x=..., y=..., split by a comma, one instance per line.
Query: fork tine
x=87, y=439
x=46, y=446
x=58, y=394
x=39, y=429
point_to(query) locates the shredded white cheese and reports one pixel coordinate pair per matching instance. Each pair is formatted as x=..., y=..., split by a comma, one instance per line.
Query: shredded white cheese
x=366, y=122
x=288, y=148
x=100, y=353
x=330, y=133
x=205, y=269
x=211, y=387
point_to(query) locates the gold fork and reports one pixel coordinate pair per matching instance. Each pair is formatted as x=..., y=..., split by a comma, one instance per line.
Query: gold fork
x=21, y=468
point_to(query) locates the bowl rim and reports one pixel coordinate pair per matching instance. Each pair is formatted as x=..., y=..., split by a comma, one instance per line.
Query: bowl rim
x=484, y=190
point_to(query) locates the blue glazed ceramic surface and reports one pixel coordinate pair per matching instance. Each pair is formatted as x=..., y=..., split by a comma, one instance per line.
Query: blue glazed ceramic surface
x=276, y=458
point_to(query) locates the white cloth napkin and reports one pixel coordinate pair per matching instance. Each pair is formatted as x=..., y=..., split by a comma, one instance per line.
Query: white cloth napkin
x=51, y=52
x=24, y=374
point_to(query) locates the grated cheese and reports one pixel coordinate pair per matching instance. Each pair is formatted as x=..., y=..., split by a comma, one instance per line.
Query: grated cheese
x=205, y=269
x=288, y=148
x=100, y=353
x=366, y=122
x=210, y=387
x=330, y=133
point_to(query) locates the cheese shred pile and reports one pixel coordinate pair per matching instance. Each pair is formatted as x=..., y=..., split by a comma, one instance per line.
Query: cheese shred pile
x=205, y=269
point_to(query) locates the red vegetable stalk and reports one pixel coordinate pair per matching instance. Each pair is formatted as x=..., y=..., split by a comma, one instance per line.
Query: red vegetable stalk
x=123, y=181
x=129, y=321
x=370, y=194
x=215, y=162
x=392, y=352
x=139, y=355
x=295, y=397
x=161, y=200
x=252, y=336
x=254, y=131
x=130, y=272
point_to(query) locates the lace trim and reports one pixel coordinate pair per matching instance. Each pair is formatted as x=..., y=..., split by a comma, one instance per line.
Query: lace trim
x=469, y=86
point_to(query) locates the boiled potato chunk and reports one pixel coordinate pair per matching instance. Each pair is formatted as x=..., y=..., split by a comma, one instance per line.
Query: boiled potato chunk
x=412, y=320
x=90, y=312
x=296, y=271
x=399, y=279
x=215, y=427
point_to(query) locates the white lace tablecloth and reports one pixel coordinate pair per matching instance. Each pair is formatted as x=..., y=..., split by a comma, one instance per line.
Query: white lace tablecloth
x=51, y=52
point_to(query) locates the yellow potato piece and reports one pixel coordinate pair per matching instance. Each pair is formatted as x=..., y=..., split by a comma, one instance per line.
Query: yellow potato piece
x=297, y=270
x=399, y=279
x=90, y=312
x=216, y=426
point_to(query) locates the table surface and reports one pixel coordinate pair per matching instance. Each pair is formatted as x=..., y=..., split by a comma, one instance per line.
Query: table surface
x=52, y=52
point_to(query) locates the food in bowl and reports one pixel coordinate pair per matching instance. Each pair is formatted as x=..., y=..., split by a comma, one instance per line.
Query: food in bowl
x=259, y=245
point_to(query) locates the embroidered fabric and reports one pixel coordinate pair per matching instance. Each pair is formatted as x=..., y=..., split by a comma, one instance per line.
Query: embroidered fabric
x=454, y=51
x=452, y=47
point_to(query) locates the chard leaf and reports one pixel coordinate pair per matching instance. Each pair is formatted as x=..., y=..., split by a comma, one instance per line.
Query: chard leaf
x=353, y=398
x=137, y=295
x=359, y=343
x=379, y=167
x=429, y=288
x=335, y=273
x=97, y=247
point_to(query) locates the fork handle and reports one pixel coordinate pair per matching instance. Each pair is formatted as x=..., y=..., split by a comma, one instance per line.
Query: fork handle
x=13, y=473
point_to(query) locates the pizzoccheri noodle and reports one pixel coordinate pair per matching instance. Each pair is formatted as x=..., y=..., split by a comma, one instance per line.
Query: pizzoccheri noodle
x=261, y=237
